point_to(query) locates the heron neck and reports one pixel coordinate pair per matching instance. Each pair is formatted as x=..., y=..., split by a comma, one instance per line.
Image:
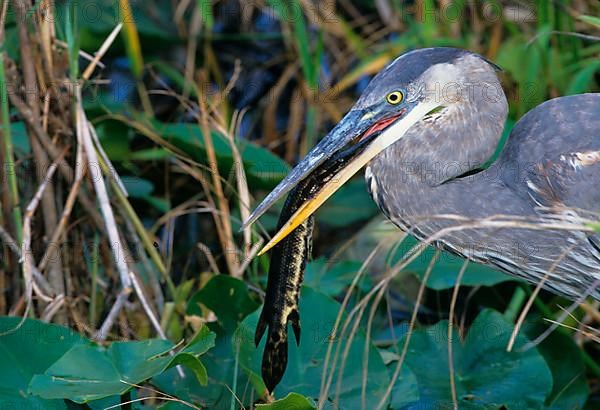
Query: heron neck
x=423, y=173
x=414, y=205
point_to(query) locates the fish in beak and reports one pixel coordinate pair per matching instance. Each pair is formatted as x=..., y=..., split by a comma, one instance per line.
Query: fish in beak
x=373, y=129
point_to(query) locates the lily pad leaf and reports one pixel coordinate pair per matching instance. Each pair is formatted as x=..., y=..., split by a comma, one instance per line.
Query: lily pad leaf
x=485, y=374
x=570, y=389
x=332, y=280
x=227, y=297
x=292, y=401
x=89, y=372
x=443, y=275
x=27, y=351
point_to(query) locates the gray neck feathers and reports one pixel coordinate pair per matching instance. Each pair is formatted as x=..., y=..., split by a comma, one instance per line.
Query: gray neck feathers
x=464, y=135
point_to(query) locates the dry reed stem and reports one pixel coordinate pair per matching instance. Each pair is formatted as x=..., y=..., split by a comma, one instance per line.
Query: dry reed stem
x=463, y=268
x=152, y=274
x=269, y=123
x=53, y=308
x=592, y=334
x=85, y=138
x=26, y=254
x=110, y=319
x=223, y=223
x=40, y=281
x=592, y=311
x=242, y=187
x=251, y=254
x=72, y=196
x=295, y=124
x=209, y=256
x=160, y=396
x=150, y=313
x=561, y=318
x=190, y=58
x=372, y=312
x=325, y=380
x=413, y=321
x=127, y=277
x=101, y=51
x=82, y=54
x=521, y=319
x=52, y=150
x=346, y=351
x=32, y=94
x=146, y=306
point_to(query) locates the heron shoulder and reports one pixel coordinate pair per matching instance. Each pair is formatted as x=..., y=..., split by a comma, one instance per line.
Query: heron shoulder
x=570, y=123
x=553, y=153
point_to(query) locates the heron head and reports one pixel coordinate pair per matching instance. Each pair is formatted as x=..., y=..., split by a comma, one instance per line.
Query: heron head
x=416, y=86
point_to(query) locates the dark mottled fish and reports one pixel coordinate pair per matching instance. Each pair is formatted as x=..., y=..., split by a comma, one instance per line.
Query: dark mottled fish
x=286, y=272
x=288, y=260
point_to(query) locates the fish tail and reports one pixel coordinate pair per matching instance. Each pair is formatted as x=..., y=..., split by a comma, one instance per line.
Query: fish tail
x=275, y=355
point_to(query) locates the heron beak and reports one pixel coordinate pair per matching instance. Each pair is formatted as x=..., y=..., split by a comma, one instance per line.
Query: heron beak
x=358, y=126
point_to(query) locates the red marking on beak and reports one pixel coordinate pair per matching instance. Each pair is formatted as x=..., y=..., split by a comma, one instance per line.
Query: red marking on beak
x=382, y=124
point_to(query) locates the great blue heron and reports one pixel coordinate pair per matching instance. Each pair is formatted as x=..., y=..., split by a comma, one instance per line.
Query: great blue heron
x=426, y=127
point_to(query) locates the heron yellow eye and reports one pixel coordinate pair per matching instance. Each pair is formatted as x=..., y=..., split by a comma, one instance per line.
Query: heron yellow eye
x=395, y=97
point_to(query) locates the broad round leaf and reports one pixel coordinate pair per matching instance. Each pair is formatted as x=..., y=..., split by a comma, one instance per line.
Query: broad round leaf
x=27, y=351
x=486, y=375
x=89, y=372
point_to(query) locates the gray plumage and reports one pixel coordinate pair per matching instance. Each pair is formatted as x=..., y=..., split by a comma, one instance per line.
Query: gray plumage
x=548, y=172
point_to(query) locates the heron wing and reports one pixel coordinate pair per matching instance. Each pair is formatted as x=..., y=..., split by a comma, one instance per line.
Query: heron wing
x=552, y=156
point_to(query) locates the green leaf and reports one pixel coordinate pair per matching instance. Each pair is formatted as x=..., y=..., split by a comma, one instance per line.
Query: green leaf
x=292, y=401
x=114, y=137
x=524, y=64
x=161, y=204
x=97, y=19
x=590, y=19
x=137, y=187
x=27, y=351
x=350, y=204
x=201, y=343
x=570, y=389
x=332, y=280
x=89, y=372
x=305, y=364
x=20, y=139
x=406, y=388
x=227, y=297
x=581, y=81
x=486, y=375
x=150, y=154
x=221, y=365
x=102, y=404
x=192, y=363
x=443, y=274
x=262, y=166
